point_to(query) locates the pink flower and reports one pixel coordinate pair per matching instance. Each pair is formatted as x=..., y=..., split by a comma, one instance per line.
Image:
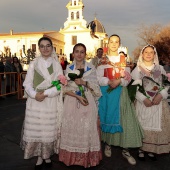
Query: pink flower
x=127, y=76
x=122, y=73
x=168, y=75
x=62, y=79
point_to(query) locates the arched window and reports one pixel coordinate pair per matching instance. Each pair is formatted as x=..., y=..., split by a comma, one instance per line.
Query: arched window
x=72, y=15
x=77, y=14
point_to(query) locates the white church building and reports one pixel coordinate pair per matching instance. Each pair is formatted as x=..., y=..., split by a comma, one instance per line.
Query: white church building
x=76, y=30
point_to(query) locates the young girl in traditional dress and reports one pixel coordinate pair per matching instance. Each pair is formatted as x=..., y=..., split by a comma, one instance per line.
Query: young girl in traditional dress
x=80, y=142
x=43, y=107
x=119, y=124
x=151, y=105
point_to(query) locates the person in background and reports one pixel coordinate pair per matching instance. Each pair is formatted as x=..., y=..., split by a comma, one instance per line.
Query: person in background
x=9, y=76
x=152, y=107
x=17, y=67
x=63, y=64
x=65, y=61
x=95, y=60
x=41, y=128
x=119, y=124
x=2, y=69
x=80, y=142
x=122, y=53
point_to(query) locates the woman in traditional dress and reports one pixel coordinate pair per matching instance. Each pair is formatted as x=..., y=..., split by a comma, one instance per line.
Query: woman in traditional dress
x=80, y=142
x=119, y=124
x=151, y=105
x=43, y=107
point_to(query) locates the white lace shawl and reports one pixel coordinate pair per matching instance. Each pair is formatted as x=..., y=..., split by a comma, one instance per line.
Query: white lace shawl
x=38, y=65
x=89, y=75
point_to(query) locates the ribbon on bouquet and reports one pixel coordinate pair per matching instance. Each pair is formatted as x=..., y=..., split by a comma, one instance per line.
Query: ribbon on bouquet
x=56, y=84
x=81, y=91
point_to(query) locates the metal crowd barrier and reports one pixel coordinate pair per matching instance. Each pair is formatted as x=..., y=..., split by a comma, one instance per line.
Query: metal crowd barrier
x=11, y=83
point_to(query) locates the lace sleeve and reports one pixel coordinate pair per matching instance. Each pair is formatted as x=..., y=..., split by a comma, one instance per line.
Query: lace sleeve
x=93, y=84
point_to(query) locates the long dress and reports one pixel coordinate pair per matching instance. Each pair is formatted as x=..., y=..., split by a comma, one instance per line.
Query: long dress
x=119, y=124
x=155, y=120
x=42, y=119
x=80, y=142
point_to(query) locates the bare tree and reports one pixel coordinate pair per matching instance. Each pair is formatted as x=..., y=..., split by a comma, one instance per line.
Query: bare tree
x=147, y=33
x=162, y=43
x=155, y=35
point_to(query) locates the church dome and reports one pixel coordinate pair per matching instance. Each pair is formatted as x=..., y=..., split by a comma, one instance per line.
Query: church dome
x=96, y=26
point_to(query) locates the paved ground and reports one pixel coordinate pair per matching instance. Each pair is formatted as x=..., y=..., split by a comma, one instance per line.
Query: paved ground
x=11, y=156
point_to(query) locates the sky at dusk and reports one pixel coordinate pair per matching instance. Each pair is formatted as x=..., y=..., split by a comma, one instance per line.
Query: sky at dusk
x=121, y=17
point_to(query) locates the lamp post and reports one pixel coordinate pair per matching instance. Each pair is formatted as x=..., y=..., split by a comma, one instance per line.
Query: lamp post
x=29, y=55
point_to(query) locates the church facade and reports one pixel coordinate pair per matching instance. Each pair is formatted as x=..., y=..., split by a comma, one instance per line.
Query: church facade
x=76, y=30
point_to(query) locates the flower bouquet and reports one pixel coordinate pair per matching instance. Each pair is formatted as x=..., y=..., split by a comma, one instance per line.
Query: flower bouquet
x=119, y=74
x=61, y=80
x=135, y=85
x=78, y=74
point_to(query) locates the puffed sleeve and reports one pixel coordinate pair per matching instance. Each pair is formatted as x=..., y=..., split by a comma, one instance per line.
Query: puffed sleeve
x=135, y=76
x=103, y=81
x=28, y=82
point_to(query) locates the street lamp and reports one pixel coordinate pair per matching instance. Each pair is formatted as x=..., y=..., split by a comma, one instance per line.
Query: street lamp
x=29, y=55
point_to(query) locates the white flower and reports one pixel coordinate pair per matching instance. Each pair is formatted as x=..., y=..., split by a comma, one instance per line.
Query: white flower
x=77, y=72
x=68, y=77
x=137, y=82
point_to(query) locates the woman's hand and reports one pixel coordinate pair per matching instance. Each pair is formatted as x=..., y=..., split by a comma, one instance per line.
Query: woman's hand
x=157, y=99
x=79, y=81
x=114, y=83
x=82, y=100
x=40, y=96
x=147, y=102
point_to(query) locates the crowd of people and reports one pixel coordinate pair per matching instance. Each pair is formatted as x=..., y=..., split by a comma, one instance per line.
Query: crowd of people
x=9, y=70
x=95, y=105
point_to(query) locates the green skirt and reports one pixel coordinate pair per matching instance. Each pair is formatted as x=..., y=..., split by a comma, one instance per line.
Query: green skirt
x=132, y=134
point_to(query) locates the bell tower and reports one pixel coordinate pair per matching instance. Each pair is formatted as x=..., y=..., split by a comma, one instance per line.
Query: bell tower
x=75, y=13
x=75, y=8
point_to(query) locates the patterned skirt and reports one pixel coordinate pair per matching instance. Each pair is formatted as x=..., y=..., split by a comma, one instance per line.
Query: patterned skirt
x=80, y=139
x=132, y=134
x=159, y=141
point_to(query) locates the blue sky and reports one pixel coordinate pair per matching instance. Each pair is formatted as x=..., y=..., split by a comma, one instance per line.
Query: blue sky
x=121, y=17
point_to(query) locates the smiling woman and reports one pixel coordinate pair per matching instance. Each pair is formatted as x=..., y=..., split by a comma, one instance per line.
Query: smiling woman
x=45, y=47
x=151, y=104
x=80, y=142
x=44, y=105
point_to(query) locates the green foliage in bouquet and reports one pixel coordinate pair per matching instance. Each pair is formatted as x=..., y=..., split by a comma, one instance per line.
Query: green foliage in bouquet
x=75, y=75
x=133, y=88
